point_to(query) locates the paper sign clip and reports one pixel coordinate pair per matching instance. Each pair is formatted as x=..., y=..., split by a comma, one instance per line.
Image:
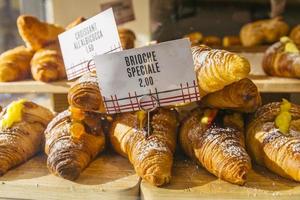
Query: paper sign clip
x=148, y=103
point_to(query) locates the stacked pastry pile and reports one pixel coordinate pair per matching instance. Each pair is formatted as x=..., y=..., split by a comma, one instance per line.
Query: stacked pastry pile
x=151, y=157
x=75, y=136
x=213, y=133
x=41, y=57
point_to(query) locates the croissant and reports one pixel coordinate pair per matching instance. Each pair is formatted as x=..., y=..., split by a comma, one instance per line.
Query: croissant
x=127, y=38
x=212, y=40
x=22, y=124
x=47, y=65
x=218, y=148
x=241, y=96
x=295, y=35
x=152, y=157
x=282, y=59
x=85, y=94
x=37, y=34
x=263, y=31
x=15, y=64
x=73, y=139
x=217, y=68
x=270, y=146
x=195, y=38
x=229, y=41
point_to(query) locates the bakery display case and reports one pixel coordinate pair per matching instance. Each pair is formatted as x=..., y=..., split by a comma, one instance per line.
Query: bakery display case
x=241, y=140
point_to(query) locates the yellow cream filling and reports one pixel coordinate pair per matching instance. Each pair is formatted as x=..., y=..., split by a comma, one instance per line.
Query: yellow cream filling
x=290, y=46
x=13, y=113
x=284, y=117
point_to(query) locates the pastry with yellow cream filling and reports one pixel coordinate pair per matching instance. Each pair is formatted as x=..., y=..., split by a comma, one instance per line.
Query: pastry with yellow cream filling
x=282, y=59
x=22, y=125
x=273, y=138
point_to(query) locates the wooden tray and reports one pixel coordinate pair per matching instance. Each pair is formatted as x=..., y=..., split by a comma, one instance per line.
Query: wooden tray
x=190, y=181
x=109, y=177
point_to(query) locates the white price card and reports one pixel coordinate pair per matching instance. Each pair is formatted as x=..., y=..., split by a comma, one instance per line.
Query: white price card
x=164, y=71
x=98, y=35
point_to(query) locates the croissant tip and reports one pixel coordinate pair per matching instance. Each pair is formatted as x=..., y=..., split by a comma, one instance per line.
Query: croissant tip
x=70, y=172
x=157, y=180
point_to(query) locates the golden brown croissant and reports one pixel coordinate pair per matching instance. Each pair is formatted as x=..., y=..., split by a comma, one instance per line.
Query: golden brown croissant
x=229, y=41
x=241, y=96
x=22, y=124
x=219, y=149
x=282, y=59
x=263, y=31
x=269, y=146
x=127, y=38
x=295, y=35
x=195, y=38
x=217, y=68
x=15, y=64
x=85, y=94
x=73, y=139
x=47, y=65
x=212, y=40
x=37, y=34
x=152, y=157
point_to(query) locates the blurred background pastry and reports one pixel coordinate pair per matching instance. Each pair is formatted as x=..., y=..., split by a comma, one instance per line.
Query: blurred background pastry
x=295, y=35
x=15, y=64
x=263, y=31
x=282, y=59
x=212, y=40
x=232, y=40
x=127, y=38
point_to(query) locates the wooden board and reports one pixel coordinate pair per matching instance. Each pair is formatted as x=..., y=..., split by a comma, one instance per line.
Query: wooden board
x=263, y=82
x=110, y=176
x=31, y=86
x=190, y=181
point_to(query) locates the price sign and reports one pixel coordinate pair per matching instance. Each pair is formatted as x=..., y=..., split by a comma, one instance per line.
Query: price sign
x=163, y=71
x=98, y=35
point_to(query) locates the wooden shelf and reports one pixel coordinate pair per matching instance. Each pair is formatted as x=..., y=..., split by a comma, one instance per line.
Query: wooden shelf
x=189, y=181
x=265, y=84
x=110, y=176
x=31, y=86
x=268, y=84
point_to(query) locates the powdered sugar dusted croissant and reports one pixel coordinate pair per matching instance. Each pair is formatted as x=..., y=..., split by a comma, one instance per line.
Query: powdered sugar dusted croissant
x=271, y=146
x=73, y=140
x=217, y=68
x=218, y=148
x=152, y=157
x=22, y=124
